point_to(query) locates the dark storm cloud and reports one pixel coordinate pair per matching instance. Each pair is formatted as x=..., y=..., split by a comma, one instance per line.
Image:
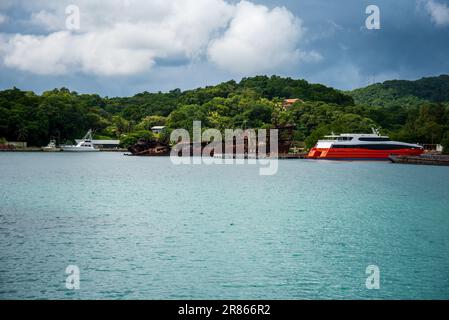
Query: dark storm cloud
x=408, y=45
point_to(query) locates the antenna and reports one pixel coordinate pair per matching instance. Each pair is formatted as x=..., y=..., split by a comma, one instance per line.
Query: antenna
x=375, y=131
x=88, y=135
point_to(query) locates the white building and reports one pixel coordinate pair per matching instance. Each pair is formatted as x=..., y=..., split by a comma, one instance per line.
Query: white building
x=17, y=144
x=157, y=129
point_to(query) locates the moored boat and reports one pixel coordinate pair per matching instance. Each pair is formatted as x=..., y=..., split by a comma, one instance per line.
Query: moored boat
x=85, y=145
x=51, y=147
x=362, y=147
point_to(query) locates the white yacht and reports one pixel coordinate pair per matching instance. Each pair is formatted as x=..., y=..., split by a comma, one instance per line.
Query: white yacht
x=85, y=145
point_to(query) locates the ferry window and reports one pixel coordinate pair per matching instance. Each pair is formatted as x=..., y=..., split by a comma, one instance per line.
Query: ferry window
x=374, y=139
x=344, y=138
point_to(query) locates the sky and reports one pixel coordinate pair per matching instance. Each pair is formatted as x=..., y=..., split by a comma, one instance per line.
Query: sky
x=123, y=47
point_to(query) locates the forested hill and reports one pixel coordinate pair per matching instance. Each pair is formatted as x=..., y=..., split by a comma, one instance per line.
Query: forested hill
x=407, y=111
x=403, y=92
x=270, y=88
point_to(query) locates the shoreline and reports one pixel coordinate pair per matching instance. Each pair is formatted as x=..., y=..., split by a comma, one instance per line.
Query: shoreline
x=41, y=151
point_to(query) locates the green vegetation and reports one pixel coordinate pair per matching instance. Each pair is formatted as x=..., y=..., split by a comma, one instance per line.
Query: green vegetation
x=403, y=92
x=131, y=138
x=413, y=111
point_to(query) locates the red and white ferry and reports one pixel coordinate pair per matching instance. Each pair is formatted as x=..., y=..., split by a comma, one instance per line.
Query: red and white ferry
x=361, y=146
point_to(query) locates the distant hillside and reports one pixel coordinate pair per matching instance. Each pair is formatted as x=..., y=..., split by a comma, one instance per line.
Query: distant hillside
x=403, y=92
x=146, y=103
x=278, y=87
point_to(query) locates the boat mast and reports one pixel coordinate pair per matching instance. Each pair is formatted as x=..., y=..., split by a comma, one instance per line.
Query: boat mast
x=88, y=135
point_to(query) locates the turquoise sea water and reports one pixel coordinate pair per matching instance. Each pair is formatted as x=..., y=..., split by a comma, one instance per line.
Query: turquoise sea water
x=142, y=228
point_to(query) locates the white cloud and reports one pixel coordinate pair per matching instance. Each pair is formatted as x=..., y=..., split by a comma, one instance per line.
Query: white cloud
x=439, y=12
x=39, y=54
x=62, y=52
x=48, y=20
x=124, y=37
x=259, y=39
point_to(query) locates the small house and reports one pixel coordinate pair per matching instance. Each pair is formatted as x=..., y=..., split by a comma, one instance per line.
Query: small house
x=157, y=129
x=287, y=103
x=17, y=144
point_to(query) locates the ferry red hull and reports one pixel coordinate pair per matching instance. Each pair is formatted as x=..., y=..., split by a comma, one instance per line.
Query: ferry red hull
x=359, y=153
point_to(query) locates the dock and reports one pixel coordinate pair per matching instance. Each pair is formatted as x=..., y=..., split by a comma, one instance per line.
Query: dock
x=293, y=156
x=431, y=160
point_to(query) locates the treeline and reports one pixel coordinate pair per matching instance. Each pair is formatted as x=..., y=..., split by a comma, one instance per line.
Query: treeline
x=255, y=102
x=404, y=92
